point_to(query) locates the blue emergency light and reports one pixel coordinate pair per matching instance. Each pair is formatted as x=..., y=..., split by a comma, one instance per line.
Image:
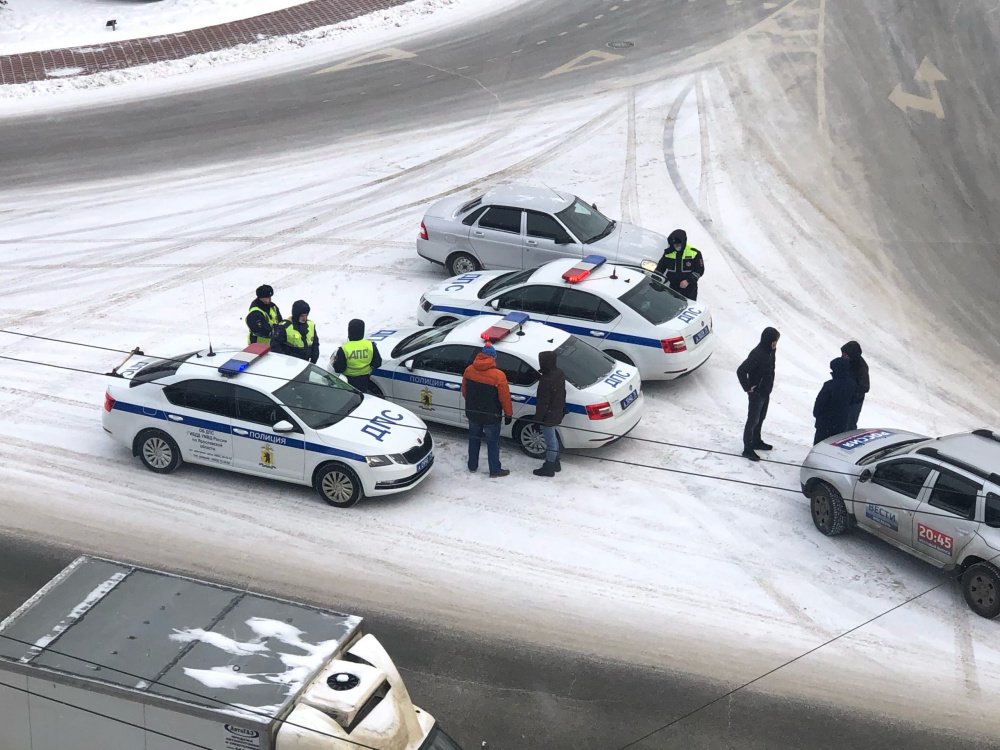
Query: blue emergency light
x=582, y=269
x=510, y=322
x=239, y=362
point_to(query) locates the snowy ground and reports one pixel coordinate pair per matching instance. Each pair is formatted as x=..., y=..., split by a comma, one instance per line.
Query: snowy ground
x=723, y=578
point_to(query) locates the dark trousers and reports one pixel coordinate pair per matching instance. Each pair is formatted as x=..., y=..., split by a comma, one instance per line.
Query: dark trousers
x=756, y=411
x=691, y=291
x=477, y=431
x=362, y=382
x=853, y=414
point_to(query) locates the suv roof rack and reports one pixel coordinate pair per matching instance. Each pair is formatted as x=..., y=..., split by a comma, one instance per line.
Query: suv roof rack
x=989, y=476
x=986, y=434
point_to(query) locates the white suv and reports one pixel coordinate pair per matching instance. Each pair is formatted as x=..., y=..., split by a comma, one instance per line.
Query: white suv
x=936, y=498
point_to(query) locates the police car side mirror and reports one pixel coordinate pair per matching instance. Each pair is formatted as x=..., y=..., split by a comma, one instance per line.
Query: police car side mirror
x=648, y=265
x=408, y=364
x=283, y=426
x=495, y=304
x=865, y=475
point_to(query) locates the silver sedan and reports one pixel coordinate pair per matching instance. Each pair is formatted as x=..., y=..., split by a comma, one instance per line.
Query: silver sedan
x=518, y=226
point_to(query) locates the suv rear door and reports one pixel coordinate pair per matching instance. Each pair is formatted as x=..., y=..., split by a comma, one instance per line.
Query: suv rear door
x=946, y=521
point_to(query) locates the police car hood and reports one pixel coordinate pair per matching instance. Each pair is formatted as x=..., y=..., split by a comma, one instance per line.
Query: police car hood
x=376, y=427
x=629, y=244
x=851, y=447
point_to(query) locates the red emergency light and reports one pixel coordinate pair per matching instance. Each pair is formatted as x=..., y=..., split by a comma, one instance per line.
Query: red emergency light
x=241, y=361
x=583, y=269
x=510, y=322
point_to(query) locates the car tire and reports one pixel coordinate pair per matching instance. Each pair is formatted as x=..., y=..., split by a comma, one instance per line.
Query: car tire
x=981, y=589
x=338, y=486
x=444, y=321
x=620, y=357
x=528, y=435
x=460, y=263
x=828, y=511
x=157, y=451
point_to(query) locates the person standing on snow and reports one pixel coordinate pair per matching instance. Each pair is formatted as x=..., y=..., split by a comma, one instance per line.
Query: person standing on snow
x=756, y=376
x=263, y=316
x=357, y=357
x=859, y=371
x=833, y=403
x=487, y=397
x=297, y=335
x=549, y=411
x=681, y=265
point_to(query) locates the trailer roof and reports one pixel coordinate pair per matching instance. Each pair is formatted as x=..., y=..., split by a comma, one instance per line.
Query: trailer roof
x=207, y=645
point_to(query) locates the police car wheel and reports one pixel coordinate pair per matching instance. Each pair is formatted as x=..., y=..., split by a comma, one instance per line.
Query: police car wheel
x=444, y=321
x=620, y=357
x=157, y=451
x=828, y=511
x=530, y=437
x=338, y=486
x=460, y=263
x=981, y=588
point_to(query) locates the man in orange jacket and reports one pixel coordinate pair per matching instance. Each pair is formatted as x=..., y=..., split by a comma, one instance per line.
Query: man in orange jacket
x=487, y=397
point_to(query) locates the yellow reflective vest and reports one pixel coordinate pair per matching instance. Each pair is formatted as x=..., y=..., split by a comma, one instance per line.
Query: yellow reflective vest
x=272, y=318
x=359, y=355
x=294, y=339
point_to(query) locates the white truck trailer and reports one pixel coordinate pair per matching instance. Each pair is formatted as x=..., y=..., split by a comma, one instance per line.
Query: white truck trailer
x=111, y=656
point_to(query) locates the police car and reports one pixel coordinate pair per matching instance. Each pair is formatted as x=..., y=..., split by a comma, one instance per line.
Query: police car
x=269, y=415
x=422, y=370
x=935, y=498
x=625, y=311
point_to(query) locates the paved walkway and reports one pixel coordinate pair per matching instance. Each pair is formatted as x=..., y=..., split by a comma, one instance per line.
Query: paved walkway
x=28, y=67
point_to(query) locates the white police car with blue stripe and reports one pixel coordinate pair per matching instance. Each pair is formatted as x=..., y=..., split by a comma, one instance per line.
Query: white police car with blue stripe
x=625, y=311
x=269, y=415
x=422, y=370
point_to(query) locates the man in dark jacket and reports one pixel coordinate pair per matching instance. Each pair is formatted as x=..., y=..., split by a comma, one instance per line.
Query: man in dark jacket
x=357, y=357
x=263, y=316
x=859, y=371
x=833, y=403
x=681, y=265
x=756, y=376
x=549, y=410
x=487, y=397
x=297, y=335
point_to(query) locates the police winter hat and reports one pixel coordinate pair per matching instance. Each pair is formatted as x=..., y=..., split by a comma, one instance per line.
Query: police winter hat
x=489, y=351
x=356, y=329
x=264, y=290
x=299, y=307
x=677, y=236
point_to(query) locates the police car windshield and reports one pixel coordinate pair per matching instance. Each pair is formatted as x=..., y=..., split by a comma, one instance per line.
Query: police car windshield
x=892, y=450
x=318, y=398
x=583, y=364
x=504, y=281
x=654, y=301
x=420, y=339
x=585, y=222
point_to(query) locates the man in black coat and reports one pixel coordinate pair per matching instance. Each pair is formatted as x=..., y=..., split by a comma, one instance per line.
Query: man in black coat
x=681, y=265
x=756, y=376
x=262, y=316
x=859, y=371
x=833, y=403
x=549, y=410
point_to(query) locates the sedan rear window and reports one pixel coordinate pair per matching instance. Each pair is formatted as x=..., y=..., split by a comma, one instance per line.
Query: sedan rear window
x=655, y=301
x=583, y=364
x=503, y=282
x=420, y=339
x=160, y=369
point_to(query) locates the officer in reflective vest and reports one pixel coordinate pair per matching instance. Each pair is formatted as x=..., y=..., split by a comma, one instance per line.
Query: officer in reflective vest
x=357, y=357
x=681, y=265
x=297, y=335
x=263, y=316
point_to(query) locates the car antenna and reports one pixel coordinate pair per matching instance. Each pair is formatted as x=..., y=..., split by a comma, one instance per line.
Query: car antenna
x=208, y=327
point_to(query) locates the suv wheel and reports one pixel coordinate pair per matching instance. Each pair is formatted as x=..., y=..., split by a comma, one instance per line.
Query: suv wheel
x=981, y=588
x=828, y=511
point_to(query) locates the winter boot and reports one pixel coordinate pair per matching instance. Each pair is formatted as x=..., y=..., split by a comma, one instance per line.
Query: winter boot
x=557, y=466
x=545, y=470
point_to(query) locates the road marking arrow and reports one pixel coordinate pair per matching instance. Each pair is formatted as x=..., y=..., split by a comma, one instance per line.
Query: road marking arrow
x=369, y=58
x=586, y=60
x=927, y=73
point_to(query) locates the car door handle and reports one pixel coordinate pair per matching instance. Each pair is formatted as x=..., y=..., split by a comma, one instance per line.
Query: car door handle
x=240, y=431
x=175, y=418
x=533, y=243
x=597, y=333
x=478, y=234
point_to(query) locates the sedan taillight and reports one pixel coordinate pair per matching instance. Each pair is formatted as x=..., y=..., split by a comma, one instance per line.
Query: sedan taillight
x=674, y=345
x=599, y=411
x=423, y=231
x=109, y=402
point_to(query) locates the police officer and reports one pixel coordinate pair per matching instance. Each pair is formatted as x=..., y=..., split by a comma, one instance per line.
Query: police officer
x=263, y=316
x=357, y=357
x=297, y=335
x=681, y=265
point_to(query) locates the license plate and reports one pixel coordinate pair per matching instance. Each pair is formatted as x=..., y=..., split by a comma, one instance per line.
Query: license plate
x=701, y=334
x=425, y=462
x=627, y=401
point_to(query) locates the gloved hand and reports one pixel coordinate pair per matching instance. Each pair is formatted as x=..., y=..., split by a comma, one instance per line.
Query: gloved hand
x=507, y=420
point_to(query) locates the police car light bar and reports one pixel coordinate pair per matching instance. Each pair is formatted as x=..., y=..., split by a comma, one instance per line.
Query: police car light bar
x=239, y=362
x=511, y=322
x=582, y=269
